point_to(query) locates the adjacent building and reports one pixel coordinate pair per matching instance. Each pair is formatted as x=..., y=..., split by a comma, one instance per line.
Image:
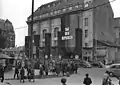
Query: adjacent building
x=7, y=34
x=117, y=31
x=76, y=27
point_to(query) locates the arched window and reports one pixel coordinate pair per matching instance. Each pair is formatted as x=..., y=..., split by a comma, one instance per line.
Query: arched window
x=44, y=31
x=56, y=29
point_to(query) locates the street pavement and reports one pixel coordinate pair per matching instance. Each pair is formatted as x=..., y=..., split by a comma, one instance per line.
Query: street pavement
x=96, y=75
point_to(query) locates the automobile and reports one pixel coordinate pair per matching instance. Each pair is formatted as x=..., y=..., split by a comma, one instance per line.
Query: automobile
x=97, y=64
x=84, y=64
x=114, y=70
x=108, y=65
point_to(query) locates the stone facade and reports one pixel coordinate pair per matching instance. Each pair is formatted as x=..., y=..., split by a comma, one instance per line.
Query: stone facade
x=95, y=23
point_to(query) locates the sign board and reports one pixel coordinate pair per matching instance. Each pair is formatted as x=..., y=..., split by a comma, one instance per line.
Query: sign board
x=67, y=34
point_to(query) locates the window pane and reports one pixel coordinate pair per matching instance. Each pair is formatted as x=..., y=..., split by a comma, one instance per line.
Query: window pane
x=44, y=31
x=86, y=21
x=86, y=33
x=86, y=44
x=56, y=31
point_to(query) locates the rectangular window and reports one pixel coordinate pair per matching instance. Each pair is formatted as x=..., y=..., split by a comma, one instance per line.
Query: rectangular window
x=86, y=33
x=44, y=32
x=86, y=21
x=86, y=44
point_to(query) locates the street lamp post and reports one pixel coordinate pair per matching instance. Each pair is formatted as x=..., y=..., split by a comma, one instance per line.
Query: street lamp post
x=31, y=53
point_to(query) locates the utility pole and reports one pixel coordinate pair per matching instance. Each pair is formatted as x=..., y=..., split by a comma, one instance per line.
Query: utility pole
x=31, y=47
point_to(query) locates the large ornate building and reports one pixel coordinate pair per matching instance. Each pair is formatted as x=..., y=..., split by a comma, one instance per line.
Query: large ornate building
x=7, y=34
x=76, y=27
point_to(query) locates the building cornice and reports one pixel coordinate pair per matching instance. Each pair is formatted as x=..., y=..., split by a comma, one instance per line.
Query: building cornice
x=58, y=11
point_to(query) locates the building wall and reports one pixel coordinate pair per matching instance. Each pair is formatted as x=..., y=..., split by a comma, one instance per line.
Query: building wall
x=44, y=25
x=55, y=23
x=89, y=39
x=36, y=28
x=117, y=30
x=7, y=32
x=103, y=21
x=111, y=54
x=100, y=24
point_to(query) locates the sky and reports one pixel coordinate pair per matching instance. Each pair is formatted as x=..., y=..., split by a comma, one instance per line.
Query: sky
x=17, y=12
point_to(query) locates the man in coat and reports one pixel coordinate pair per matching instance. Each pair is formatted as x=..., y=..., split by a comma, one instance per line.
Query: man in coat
x=87, y=80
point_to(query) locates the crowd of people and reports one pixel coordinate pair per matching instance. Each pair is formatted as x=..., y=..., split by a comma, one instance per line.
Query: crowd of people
x=55, y=68
x=58, y=69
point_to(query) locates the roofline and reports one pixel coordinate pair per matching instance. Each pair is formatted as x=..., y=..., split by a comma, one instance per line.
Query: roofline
x=57, y=16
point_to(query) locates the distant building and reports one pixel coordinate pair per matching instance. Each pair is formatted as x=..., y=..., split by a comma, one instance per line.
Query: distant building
x=7, y=33
x=117, y=40
x=77, y=27
x=117, y=29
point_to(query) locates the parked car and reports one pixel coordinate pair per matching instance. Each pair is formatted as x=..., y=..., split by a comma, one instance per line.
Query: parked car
x=84, y=64
x=114, y=70
x=97, y=64
x=108, y=65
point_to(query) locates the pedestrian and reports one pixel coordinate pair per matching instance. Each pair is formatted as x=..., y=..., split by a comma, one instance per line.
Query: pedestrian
x=22, y=74
x=63, y=69
x=2, y=73
x=41, y=73
x=16, y=72
x=32, y=75
x=63, y=81
x=46, y=70
x=87, y=80
x=29, y=73
x=106, y=80
x=75, y=68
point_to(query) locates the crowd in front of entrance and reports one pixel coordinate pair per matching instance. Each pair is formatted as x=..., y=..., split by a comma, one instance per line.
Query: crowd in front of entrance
x=58, y=69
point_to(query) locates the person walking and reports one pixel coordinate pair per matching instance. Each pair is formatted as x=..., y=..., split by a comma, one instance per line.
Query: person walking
x=87, y=80
x=106, y=80
x=2, y=73
x=16, y=72
x=41, y=73
x=32, y=75
x=29, y=74
x=22, y=74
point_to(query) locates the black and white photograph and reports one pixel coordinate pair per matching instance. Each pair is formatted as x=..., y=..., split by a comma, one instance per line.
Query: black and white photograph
x=59, y=42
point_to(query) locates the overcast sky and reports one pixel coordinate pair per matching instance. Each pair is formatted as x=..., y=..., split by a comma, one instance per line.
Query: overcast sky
x=17, y=12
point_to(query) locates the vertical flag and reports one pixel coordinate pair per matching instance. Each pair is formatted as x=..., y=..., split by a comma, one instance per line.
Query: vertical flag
x=37, y=41
x=78, y=47
x=47, y=44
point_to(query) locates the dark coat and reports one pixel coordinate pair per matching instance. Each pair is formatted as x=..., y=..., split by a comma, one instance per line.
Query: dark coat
x=22, y=73
x=1, y=71
x=87, y=81
x=16, y=70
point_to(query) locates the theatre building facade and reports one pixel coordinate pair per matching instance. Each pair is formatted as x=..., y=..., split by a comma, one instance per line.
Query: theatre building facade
x=80, y=29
